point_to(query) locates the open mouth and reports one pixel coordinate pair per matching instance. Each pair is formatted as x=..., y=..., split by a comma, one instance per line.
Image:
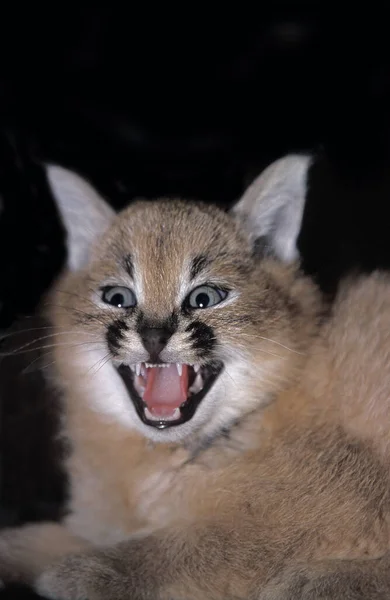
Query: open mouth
x=168, y=394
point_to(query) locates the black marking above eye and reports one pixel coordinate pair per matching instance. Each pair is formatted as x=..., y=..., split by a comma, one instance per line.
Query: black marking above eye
x=199, y=263
x=202, y=336
x=115, y=334
x=129, y=266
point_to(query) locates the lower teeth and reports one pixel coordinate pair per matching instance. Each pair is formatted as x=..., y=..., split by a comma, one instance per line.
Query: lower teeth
x=138, y=384
x=197, y=385
x=173, y=416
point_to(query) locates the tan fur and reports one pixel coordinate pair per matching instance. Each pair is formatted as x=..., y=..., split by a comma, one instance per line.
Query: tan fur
x=268, y=296
x=27, y=550
x=292, y=474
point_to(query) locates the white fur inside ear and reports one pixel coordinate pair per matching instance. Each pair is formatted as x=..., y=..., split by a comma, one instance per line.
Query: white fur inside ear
x=272, y=206
x=84, y=213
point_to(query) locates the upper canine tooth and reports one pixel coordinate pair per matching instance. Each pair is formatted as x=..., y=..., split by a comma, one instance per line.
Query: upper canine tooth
x=132, y=367
x=196, y=368
x=179, y=367
x=138, y=369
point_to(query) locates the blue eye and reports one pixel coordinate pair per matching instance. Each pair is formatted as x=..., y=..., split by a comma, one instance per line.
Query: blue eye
x=206, y=296
x=118, y=296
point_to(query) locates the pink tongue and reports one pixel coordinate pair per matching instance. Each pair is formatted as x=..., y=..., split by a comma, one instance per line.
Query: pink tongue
x=165, y=388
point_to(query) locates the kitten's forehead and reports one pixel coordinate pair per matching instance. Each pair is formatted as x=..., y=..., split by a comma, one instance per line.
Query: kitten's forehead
x=174, y=233
x=178, y=223
x=166, y=246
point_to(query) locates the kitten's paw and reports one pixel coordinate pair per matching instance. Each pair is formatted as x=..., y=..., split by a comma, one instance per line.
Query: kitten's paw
x=78, y=577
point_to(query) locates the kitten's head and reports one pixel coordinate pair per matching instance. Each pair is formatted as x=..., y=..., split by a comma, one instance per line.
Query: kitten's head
x=176, y=318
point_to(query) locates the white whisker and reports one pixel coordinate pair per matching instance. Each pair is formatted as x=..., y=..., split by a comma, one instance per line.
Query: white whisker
x=104, y=360
x=261, y=337
x=45, y=346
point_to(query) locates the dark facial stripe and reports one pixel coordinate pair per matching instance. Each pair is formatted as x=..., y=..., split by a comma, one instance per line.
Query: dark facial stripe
x=199, y=263
x=116, y=333
x=128, y=264
x=202, y=336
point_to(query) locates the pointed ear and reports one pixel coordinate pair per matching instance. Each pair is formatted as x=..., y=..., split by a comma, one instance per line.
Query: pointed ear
x=85, y=215
x=272, y=207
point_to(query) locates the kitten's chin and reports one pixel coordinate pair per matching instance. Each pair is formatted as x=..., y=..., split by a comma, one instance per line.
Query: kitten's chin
x=168, y=395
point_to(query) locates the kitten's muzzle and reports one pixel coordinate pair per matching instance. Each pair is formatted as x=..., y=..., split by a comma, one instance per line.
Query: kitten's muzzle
x=154, y=340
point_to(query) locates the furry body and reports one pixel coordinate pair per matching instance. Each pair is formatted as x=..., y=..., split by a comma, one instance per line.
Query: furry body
x=279, y=483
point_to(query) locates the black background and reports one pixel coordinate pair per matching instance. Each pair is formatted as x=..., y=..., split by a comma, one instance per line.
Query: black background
x=190, y=103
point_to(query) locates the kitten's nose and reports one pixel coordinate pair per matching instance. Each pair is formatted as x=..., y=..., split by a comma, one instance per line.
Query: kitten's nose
x=155, y=340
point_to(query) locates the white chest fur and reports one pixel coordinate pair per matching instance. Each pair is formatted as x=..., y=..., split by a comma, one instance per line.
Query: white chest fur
x=127, y=489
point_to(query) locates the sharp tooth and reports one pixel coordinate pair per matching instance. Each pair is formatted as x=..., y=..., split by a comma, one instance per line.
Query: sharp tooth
x=179, y=368
x=138, y=369
x=196, y=368
x=132, y=367
x=173, y=417
x=140, y=389
x=197, y=385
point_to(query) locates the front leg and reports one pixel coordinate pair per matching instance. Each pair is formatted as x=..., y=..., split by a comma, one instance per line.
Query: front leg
x=188, y=564
x=355, y=579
